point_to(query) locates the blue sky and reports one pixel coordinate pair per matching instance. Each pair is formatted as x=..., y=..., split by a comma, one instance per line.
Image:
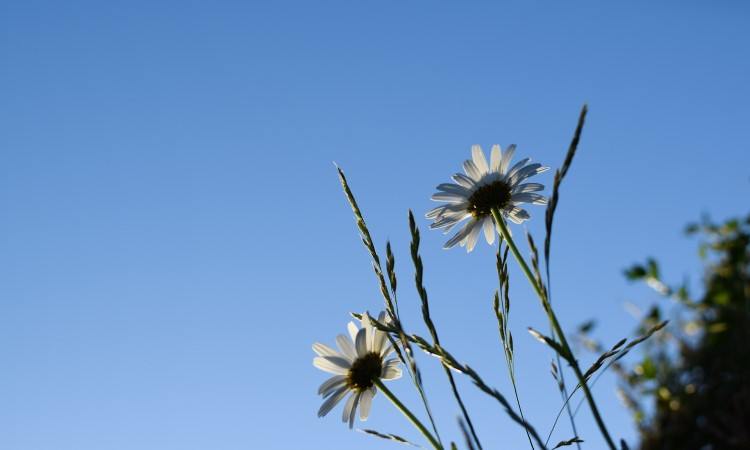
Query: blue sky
x=174, y=237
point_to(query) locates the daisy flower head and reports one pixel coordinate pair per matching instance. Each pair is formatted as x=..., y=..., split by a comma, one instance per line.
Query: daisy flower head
x=484, y=187
x=361, y=358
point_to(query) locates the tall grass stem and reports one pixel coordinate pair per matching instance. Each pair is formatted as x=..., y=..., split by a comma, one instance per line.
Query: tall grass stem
x=505, y=233
x=408, y=414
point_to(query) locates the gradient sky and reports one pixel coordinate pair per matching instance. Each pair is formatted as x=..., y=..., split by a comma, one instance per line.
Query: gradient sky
x=174, y=237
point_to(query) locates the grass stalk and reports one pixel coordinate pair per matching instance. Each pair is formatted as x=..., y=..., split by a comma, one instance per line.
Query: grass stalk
x=502, y=313
x=442, y=354
x=408, y=414
x=505, y=233
x=549, y=218
x=418, y=281
x=390, y=302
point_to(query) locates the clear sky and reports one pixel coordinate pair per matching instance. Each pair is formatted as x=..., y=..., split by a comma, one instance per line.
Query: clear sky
x=174, y=237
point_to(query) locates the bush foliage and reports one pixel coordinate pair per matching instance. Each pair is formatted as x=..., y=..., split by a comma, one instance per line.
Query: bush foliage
x=691, y=388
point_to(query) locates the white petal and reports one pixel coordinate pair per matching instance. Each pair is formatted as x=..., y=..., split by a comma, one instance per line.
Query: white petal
x=514, y=170
x=513, y=218
x=435, y=212
x=445, y=222
x=332, y=364
x=447, y=216
x=449, y=197
x=507, y=156
x=331, y=385
x=350, y=403
x=522, y=214
x=473, y=237
x=346, y=346
x=350, y=410
x=391, y=363
x=459, y=236
x=361, y=342
x=529, y=197
x=332, y=401
x=479, y=160
x=369, y=331
x=518, y=215
x=495, y=158
x=448, y=228
x=528, y=187
x=392, y=373
x=455, y=209
x=472, y=171
x=365, y=402
x=526, y=172
x=380, y=337
x=453, y=188
x=387, y=349
x=489, y=230
x=353, y=330
x=463, y=180
x=324, y=350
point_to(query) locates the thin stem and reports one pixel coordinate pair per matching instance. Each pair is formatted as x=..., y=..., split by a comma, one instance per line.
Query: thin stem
x=564, y=396
x=408, y=414
x=391, y=305
x=555, y=325
x=503, y=329
x=561, y=383
x=444, y=356
x=566, y=404
x=418, y=281
x=518, y=402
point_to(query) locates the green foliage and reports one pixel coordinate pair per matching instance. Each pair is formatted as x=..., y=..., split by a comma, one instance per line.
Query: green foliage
x=697, y=374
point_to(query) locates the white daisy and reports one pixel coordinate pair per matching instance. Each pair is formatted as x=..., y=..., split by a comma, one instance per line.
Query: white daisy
x=485, y=186
x=361, y=358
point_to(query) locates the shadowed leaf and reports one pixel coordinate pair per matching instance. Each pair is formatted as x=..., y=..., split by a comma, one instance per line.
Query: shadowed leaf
x=572, y=441
x=388, y=436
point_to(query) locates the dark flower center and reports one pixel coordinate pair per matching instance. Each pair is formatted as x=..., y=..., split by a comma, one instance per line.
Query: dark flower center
x=364, y=370
x=493, y=195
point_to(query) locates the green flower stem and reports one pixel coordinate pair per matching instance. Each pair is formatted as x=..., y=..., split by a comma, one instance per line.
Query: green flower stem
x=505, y=233
x=405, y=411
